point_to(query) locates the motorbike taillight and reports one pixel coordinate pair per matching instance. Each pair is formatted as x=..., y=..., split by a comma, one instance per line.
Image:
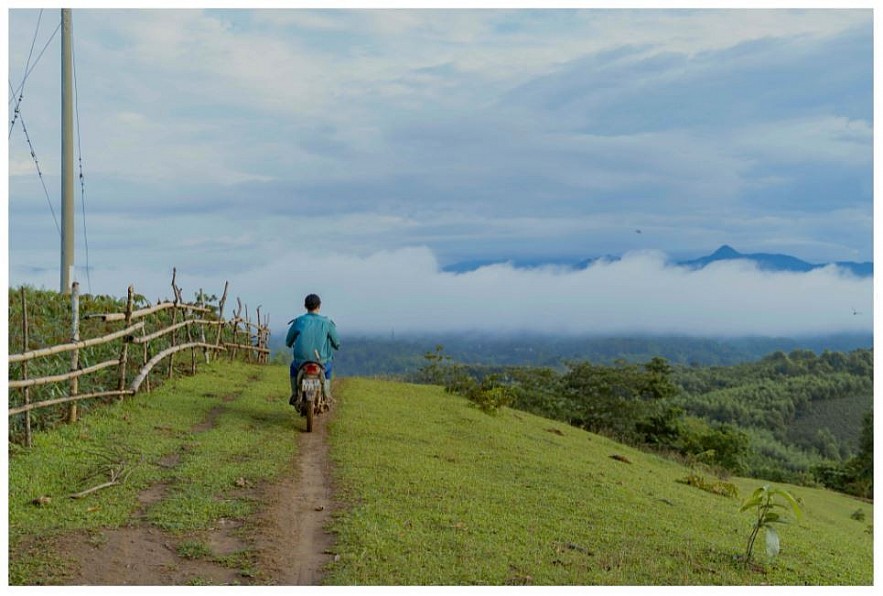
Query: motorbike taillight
x=312, y=369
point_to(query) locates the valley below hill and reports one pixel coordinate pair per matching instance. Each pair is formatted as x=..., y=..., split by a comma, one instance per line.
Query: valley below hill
x=404, y=355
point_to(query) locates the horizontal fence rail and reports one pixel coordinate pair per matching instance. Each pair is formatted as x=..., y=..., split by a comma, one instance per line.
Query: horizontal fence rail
x=166, y=328
x=145, y=370
x=74, y=345
x=63, y=377
x=172, y=328
x=146, y=311
x=62, y=400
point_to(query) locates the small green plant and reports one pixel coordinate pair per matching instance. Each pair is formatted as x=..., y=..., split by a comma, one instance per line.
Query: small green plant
x=763, y=503
x=858, y=515
x=194, y=549
x=198, y=581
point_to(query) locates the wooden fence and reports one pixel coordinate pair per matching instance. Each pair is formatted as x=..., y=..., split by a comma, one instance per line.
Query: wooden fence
x=196, y=326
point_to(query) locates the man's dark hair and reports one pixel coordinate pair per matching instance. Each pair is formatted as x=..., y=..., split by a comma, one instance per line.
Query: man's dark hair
x=312, y=302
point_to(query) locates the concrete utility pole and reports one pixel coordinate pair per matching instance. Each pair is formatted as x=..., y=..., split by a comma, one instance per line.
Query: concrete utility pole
x=67, y=154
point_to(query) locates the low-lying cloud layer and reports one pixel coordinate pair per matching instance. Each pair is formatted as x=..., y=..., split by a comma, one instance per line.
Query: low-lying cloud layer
x=406, y=291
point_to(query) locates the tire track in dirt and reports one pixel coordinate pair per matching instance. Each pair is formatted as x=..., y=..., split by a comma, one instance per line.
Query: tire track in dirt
x=291, y=542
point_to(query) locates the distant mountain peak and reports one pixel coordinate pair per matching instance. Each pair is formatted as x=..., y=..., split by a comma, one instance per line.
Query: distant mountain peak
x=775, y=262
x=726, y=252
x=764, y=261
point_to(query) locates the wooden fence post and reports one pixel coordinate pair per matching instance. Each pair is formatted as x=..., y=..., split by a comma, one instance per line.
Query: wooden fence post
x=201, y=304
x=174, y=339
x=75, y=354
x=267, y=338
x=235, y=324
x=189, y=341
x=124, y=351
x=145, y=355
x=263, y=340
x=24, y=365
x=221, y=313
x=247, y=341
x=260, y=336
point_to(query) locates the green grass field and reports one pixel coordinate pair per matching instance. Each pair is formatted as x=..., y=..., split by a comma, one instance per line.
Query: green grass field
x=432, y=491
x=440, y=493
x=225, y=428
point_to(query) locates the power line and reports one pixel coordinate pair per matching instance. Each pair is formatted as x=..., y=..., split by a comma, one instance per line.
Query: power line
x=27, y=66
x=20, y=91
x=37, y=61
x=18, y=116
x=34, y=41
x=39, y=172
x=80, y=159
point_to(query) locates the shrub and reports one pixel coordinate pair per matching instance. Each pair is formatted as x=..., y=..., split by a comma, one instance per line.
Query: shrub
x=489, y=399
x=727, y=445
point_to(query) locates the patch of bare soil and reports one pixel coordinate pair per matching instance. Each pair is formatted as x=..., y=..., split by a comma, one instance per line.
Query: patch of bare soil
x=286, y=540
x=209, y=422
x=142, y=555
x=139, y=555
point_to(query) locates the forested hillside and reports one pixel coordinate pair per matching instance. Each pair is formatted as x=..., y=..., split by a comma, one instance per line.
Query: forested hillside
x=797, y=417
x=799, y=408
x=403, y=355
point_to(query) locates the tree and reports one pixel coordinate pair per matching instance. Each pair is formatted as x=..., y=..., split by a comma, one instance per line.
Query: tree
x=857, y=475
x=656, y=382
x=860, y=469
x=826, y=444
x=437, y=367
x=627, y=401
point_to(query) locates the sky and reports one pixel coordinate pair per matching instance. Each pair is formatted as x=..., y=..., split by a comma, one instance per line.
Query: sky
x=358, y=153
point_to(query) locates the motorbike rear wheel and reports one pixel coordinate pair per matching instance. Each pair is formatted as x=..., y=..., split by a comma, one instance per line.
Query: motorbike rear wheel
x=311, y=408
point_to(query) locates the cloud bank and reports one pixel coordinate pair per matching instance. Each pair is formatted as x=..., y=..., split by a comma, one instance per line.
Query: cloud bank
x=406, y=291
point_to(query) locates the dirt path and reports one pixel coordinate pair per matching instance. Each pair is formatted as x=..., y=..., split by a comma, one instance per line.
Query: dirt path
x=292, y=544
x=286, y=538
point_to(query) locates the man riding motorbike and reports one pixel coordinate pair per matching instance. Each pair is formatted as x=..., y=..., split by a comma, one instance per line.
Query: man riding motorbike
x=312, y=338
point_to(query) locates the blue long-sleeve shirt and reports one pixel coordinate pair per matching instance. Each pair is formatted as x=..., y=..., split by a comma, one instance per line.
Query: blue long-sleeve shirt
x=311, y=333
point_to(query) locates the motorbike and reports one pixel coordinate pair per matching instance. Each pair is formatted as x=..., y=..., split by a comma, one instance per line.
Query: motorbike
x=312, y=399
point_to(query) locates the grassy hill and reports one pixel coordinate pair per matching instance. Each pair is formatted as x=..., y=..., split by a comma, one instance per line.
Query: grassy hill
x=432, y=490
x=440, y=493
x=201, y=443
